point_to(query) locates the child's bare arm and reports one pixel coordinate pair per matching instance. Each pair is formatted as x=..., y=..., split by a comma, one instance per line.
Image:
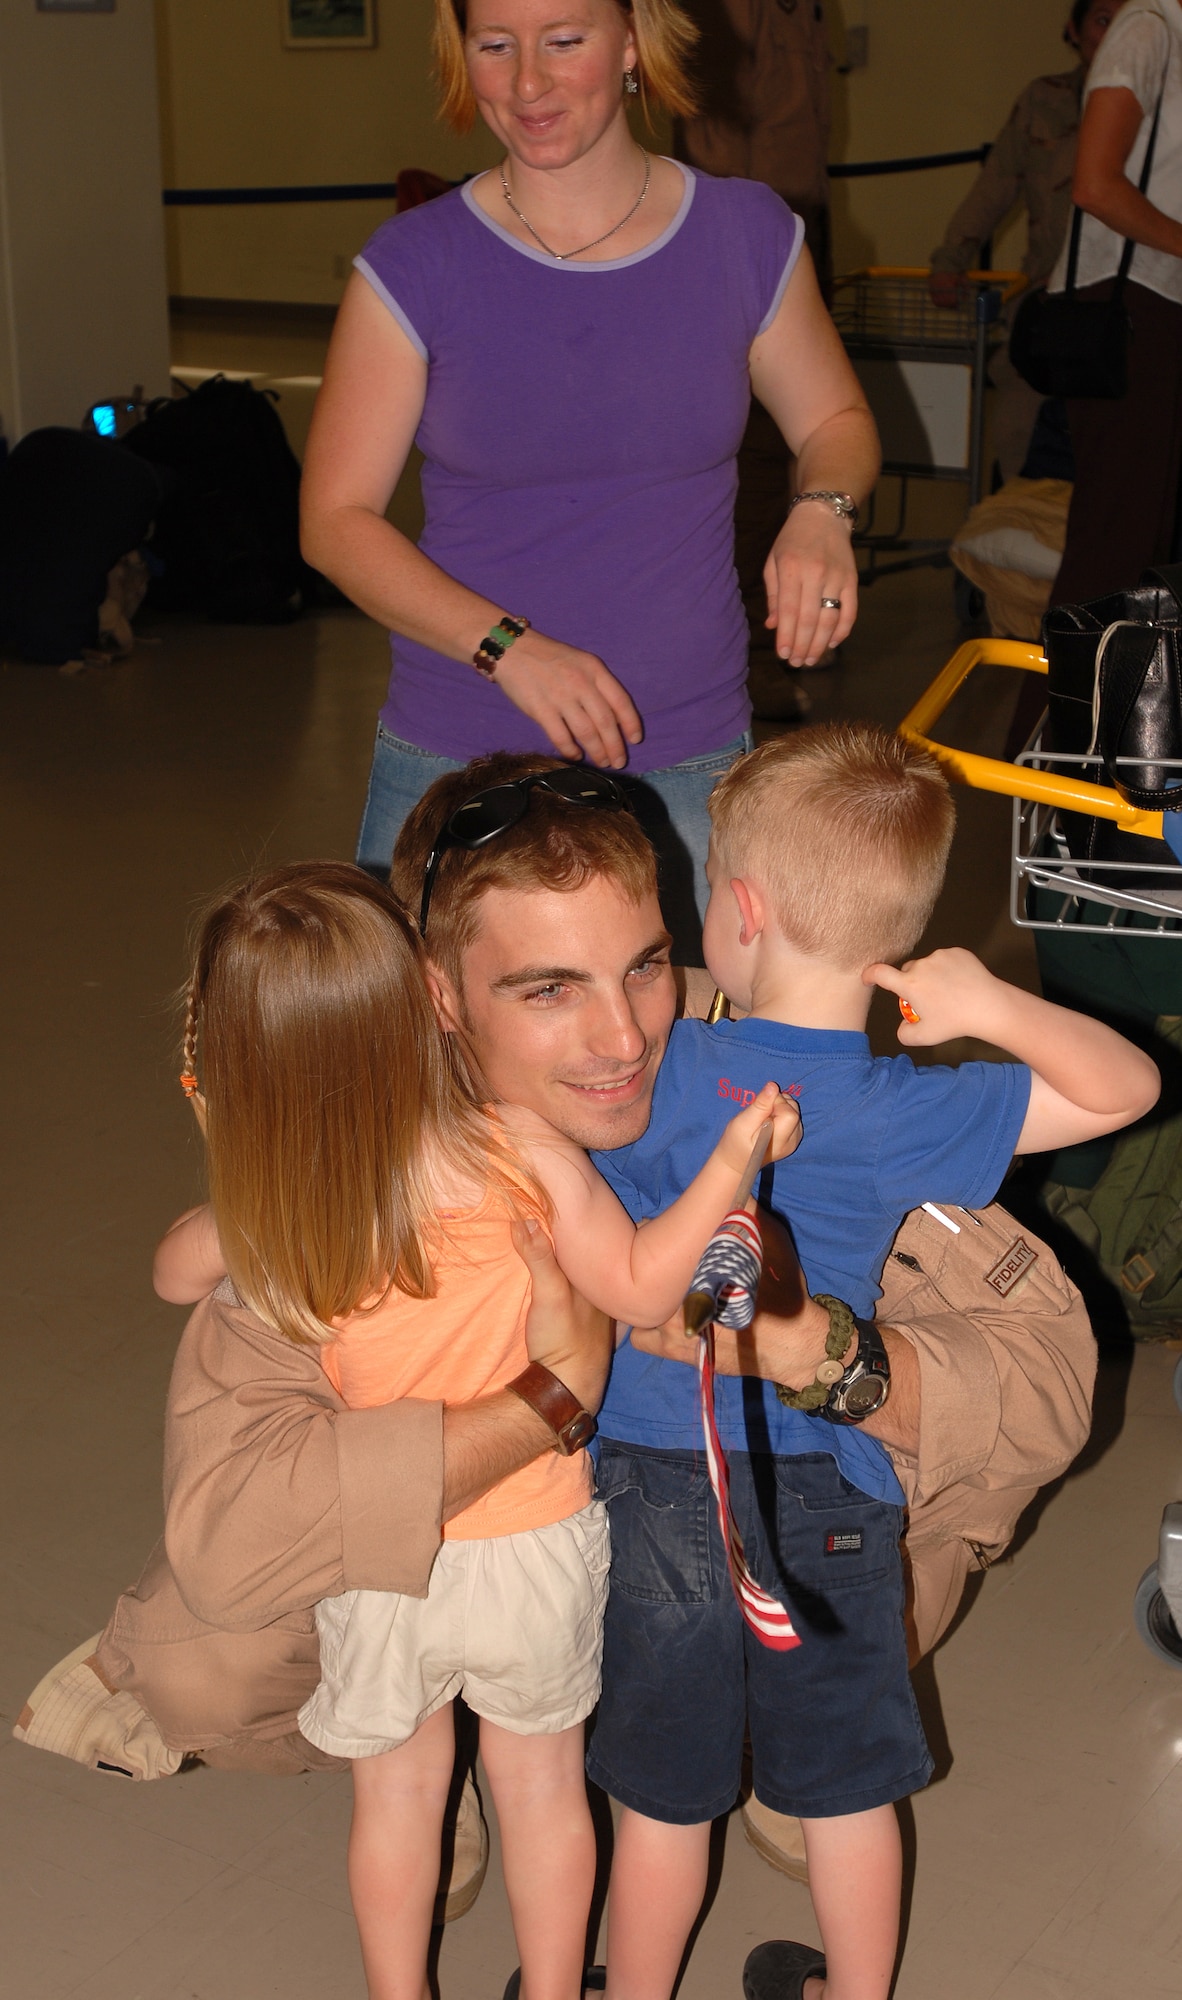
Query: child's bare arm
x=640, y=1275
x=1087, y=1079
x=188, y=1261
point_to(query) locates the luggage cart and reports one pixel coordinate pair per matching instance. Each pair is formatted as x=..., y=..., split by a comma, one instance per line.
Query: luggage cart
x=1116, y=896
x=1091, y=898
x=922, y=367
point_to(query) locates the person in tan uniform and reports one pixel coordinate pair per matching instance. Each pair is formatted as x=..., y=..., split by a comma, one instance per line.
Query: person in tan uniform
x=276, y=1495
x=1031, y=161
x=762, y=74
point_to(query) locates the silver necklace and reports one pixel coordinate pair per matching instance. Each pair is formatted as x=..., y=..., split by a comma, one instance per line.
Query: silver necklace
x=561, y=256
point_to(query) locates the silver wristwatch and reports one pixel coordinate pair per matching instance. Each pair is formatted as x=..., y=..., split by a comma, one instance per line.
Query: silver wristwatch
x=864, y=1385
x=842, y=504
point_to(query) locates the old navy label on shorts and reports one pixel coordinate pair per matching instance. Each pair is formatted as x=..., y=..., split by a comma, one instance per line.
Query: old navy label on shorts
x=1010, y=1269
x=844, y=1542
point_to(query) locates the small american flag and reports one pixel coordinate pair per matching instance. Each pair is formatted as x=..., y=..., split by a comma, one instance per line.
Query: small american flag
x=727, y=1277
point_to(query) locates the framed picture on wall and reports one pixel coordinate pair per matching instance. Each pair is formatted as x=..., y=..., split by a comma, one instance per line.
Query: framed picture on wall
x=329, y=24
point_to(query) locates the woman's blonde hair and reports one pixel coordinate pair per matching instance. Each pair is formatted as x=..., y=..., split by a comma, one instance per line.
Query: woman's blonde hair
x=328, y=1094
x=664, y=36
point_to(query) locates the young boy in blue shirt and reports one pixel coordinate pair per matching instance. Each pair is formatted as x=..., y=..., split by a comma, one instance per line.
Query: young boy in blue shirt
x=828, y=853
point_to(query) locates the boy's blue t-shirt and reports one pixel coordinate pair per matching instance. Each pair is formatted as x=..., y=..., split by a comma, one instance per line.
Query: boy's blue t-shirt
x=881, y=1136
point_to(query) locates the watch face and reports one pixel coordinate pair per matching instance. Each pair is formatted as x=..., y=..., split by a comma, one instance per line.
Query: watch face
x=863, y=1398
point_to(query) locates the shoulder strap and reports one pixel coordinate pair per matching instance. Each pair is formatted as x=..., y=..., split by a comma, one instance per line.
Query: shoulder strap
x=1073, y=248
x=1146, y=169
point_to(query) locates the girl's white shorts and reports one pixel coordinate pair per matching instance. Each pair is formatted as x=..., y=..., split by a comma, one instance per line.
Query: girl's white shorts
x=513, y=1623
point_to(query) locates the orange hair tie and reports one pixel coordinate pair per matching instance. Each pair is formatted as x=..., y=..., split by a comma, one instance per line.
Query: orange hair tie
x=188, y=1083
x=908, y=1012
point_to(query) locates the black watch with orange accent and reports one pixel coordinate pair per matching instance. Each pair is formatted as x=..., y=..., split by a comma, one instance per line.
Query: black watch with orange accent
x=571, y=1424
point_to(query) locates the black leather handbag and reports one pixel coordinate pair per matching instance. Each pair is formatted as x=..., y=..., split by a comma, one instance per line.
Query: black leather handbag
x=1114, y=691
x=1067, y=346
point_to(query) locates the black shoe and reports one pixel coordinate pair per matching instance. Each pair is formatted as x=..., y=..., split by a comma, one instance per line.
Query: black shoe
x=777, y=1970
x=594, y=1981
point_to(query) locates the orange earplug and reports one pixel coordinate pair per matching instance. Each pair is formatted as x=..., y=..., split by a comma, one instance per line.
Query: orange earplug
x=908, y=1012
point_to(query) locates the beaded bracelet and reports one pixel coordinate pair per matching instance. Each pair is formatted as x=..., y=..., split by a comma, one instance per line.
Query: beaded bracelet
x=493, y=649
x=842, y=1328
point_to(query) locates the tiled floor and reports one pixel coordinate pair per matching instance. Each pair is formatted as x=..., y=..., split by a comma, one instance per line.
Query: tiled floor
x=1046, y=1851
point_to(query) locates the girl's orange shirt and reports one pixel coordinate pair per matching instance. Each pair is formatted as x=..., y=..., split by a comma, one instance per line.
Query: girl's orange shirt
x=467, y=1341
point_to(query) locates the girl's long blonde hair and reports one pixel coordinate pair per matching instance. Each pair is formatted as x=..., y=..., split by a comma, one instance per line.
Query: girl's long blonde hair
x=664, y=34
x=328, y=1092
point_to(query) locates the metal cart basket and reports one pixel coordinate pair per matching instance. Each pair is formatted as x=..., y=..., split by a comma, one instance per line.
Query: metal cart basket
x=922, y=368
x=1048, y=889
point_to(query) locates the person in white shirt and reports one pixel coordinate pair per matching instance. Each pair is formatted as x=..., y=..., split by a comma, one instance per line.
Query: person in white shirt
x=1128, y=450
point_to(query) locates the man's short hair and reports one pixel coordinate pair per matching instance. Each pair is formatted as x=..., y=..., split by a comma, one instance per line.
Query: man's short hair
x=554, y=846
x=846, y=827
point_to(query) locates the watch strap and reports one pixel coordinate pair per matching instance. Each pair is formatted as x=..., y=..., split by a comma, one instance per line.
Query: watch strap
x=571, y=1424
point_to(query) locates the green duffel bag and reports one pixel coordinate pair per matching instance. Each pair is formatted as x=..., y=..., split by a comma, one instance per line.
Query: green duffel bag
x=1131, y=1219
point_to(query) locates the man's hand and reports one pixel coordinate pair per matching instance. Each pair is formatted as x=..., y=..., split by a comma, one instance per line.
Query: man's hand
x=566, y=1334
x=946, y=289
x=786, y=1340
x=487, y=1439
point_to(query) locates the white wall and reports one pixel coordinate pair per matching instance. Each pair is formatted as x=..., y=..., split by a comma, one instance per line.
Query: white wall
x=83, y=293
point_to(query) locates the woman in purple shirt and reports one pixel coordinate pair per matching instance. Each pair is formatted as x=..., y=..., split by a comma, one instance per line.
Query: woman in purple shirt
x=572, y=341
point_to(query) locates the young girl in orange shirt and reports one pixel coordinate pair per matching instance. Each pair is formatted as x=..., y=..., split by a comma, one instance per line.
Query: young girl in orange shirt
x=362, y=1200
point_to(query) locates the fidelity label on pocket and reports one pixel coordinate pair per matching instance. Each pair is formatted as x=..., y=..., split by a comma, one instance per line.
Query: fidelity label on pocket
x=847, y=1542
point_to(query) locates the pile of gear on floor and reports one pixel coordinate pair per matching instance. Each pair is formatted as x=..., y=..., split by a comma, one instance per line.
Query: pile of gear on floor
x=189, y=503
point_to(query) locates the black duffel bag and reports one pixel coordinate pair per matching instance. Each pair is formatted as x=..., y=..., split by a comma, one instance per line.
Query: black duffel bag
x=228, y=533
x=1114, y=691
x=1063, y=345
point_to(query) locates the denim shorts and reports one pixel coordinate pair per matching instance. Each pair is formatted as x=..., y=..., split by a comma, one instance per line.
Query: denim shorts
x=670, y=805
x=833, y=1723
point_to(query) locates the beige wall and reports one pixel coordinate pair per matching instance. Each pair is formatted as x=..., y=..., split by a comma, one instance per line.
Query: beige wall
x=83, y=309
x=239, y=109
x=942, y=76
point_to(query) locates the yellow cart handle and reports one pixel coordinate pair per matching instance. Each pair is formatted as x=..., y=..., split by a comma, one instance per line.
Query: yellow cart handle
x=991, y=774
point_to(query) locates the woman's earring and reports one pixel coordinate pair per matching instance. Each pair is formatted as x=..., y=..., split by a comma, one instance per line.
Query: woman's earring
x=630, y=84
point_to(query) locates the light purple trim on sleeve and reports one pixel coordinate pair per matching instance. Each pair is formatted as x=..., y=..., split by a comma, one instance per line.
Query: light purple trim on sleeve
x=370, y=275
x=786, y=273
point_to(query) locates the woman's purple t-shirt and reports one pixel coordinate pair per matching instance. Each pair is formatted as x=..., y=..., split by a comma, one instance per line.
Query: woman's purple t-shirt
x=579, y=432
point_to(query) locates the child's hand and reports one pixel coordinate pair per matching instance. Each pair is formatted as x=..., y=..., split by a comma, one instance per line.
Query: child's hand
x=780, y=1116
x=946, y=995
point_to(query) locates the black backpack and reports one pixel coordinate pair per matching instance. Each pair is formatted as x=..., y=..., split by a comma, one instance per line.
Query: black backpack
x=227, y=532
x=70, y=507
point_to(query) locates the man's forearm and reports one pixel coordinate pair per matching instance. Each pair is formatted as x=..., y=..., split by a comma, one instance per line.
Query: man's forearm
x=483, y=1442
x=791, y=1351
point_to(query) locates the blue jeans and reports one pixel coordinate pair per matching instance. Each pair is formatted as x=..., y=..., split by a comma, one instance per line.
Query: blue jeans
x=834, y=1726
x=670, y=805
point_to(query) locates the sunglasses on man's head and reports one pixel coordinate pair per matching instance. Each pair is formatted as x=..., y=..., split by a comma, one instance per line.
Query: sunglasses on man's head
x=487, y=814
